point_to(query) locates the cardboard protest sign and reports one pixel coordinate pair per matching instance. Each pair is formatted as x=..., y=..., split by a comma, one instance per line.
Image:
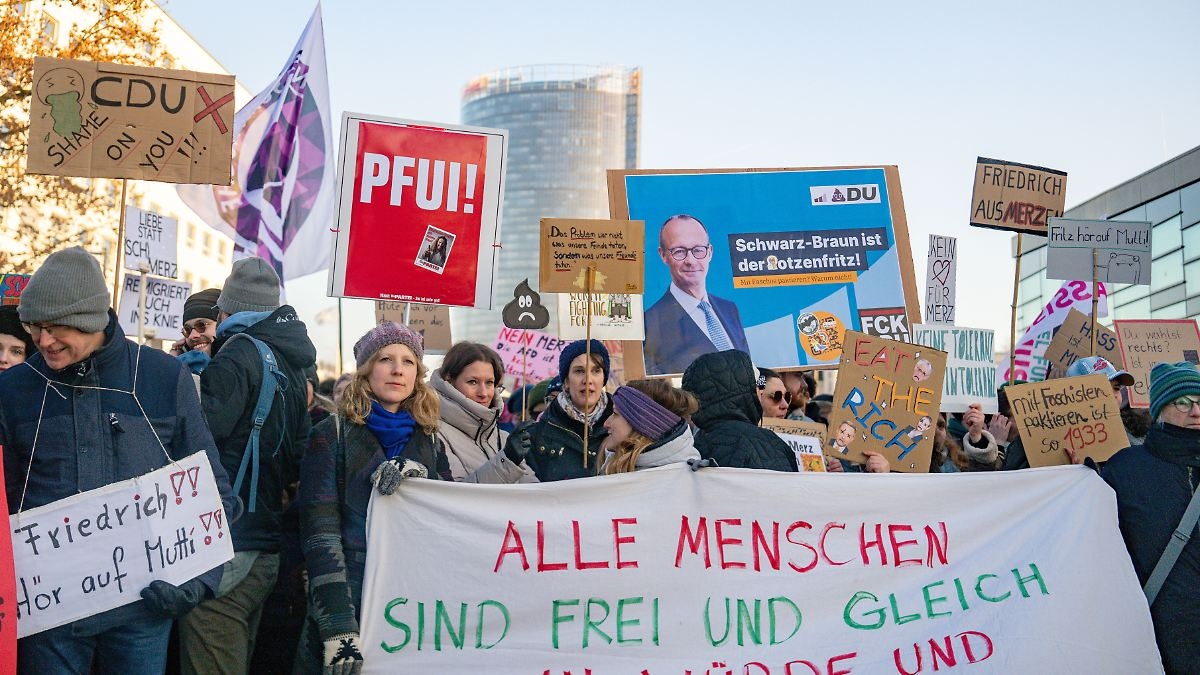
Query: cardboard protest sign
x=787, y=259
x=431, y=321
x=970, y=365
x=1073, y=341
x=1079, y=413
x=11, y=286
x=164, y=305
x=1123, y=250
x=150, y=240
x=97, y=550
x=528, y=352
x=1017, y=197
x=105, y=120
x=941, y=270
x=614, y=317
x=806, y=439
x=8, y=592
x=1030, y=363
x=1145, y=342
x=613, y=248
x=887, y=396
x=723, y=567
x=525, y=310
x=418, y=212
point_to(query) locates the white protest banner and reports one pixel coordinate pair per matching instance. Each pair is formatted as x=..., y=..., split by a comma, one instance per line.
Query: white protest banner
x=97, y=550
x=941, y=270
x=1030, y=363
x=150, y=239
x=755, y=571
x=164, y=305
x=970, y=365
x=614, y=317
x=1123, y=250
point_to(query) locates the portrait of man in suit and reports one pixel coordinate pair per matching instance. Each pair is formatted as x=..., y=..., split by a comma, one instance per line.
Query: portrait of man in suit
x=687, y=321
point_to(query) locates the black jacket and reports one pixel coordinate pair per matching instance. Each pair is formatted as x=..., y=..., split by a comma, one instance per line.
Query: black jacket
x=1154, y=483
x=557, y=440
x=229, y=390
x=724, y=383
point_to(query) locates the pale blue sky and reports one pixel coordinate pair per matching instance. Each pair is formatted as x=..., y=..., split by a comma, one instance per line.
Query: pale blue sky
x=1102, y=90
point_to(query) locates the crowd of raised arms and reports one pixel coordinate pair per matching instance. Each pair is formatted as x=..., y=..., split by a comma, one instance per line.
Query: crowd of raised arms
x=101, y=409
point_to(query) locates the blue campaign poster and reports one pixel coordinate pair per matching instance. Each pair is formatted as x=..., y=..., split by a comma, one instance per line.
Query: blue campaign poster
x=779, y=263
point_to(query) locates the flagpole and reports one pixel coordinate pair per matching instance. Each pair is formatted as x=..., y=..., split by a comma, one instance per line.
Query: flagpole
x=1012, y=331
x=1095, y=296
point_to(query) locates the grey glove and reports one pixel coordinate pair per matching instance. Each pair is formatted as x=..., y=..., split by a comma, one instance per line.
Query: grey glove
x=174, y=601
x=342, y=655
x=518, y=445
x=387, y=477
x=696, y=463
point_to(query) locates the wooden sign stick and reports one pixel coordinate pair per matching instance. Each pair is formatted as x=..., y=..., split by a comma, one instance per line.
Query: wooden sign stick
x=1012, y=332
x=524, y=373
x=117, y=276
x=587, y=359
x=1095, y=298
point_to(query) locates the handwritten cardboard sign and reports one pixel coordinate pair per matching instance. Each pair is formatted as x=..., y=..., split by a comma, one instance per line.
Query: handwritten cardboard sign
x=806, y=439
x=941, y=270
x=614, y=248
x=113, y=121
x=95, y=551
x=1073, y=341
x=164, y=305
x=11, y=287
x=615, y=316
x=528, y=355
x=1145, y=342
x=1016, y=197
x=150, y=240
x=1079, y=413
x=743, y=572
x=888, y=394
x=431, y=321
x=970, y=366
x=1122, y=250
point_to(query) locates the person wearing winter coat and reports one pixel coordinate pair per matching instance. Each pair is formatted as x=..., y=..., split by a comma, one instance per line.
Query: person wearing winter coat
x=385, y=429
x=470, y=410
x=648, y=427
x=725, y=385
x=556, y=438
x=98, y=409
x=220, y=633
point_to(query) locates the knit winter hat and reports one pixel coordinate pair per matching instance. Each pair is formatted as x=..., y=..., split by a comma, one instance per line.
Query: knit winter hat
x=518, y=398
x=68, y=289
x=575, y=350
x=387, y=333
x=10, y=324
x=252, y=286
x=202, y=305
x=1101, y=366
x=1169, y=381
x=647, y=417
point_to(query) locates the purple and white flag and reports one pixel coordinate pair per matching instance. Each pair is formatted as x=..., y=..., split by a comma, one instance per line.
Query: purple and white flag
x=280, y=204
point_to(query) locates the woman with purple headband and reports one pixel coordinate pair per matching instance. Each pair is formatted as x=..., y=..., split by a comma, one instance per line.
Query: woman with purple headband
x=649, y=427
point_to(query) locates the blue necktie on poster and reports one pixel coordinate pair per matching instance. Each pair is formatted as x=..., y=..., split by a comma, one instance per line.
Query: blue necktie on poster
x=281, y=202
x=716, y=332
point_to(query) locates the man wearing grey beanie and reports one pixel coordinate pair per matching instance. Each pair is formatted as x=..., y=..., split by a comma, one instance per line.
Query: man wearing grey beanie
x=102, y=410
x=218, y=636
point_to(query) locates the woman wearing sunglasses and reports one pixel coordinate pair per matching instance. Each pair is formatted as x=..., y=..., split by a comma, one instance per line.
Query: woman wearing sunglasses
x=772, y=394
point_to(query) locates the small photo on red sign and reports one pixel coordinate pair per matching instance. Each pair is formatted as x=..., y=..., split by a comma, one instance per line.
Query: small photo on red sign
x=435, y=249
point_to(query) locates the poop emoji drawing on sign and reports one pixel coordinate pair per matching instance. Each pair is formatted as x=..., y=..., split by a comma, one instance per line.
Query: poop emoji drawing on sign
x=525, y=310
x=62, y=90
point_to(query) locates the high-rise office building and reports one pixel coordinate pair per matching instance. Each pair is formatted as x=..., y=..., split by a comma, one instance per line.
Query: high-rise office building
x=567, y=125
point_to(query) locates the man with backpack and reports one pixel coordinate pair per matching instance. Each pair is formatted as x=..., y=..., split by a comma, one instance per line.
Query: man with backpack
x=254, y=398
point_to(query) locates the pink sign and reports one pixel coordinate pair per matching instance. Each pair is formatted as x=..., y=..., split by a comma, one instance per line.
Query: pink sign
x=528, y=355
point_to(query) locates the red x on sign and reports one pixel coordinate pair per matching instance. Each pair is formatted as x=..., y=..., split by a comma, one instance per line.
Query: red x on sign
x=212, y=108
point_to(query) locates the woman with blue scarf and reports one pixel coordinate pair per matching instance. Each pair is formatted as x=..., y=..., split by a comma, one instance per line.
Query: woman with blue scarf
x=384, y=430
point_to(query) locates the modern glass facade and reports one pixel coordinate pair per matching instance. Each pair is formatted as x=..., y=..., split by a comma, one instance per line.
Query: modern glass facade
x=1168, y=196
x=567, y=125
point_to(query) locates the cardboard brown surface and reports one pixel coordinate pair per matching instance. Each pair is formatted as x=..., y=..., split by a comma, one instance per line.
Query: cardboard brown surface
x=1076, y=412
x=1145, y=342
x=806, y=439
x=1016, y=197
x=881, y=397
x=614, y=248
x=107, y=120
x=1073, y=341
x=431, y=321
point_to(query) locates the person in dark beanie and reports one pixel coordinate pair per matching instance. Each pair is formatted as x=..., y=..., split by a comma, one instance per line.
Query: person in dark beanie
x=16, y=344
x=725, y=384
x=219, y=635
x=101, y=410
x=199, y=330
x=1154, y=483
x=556, y=438
x=648, y=427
